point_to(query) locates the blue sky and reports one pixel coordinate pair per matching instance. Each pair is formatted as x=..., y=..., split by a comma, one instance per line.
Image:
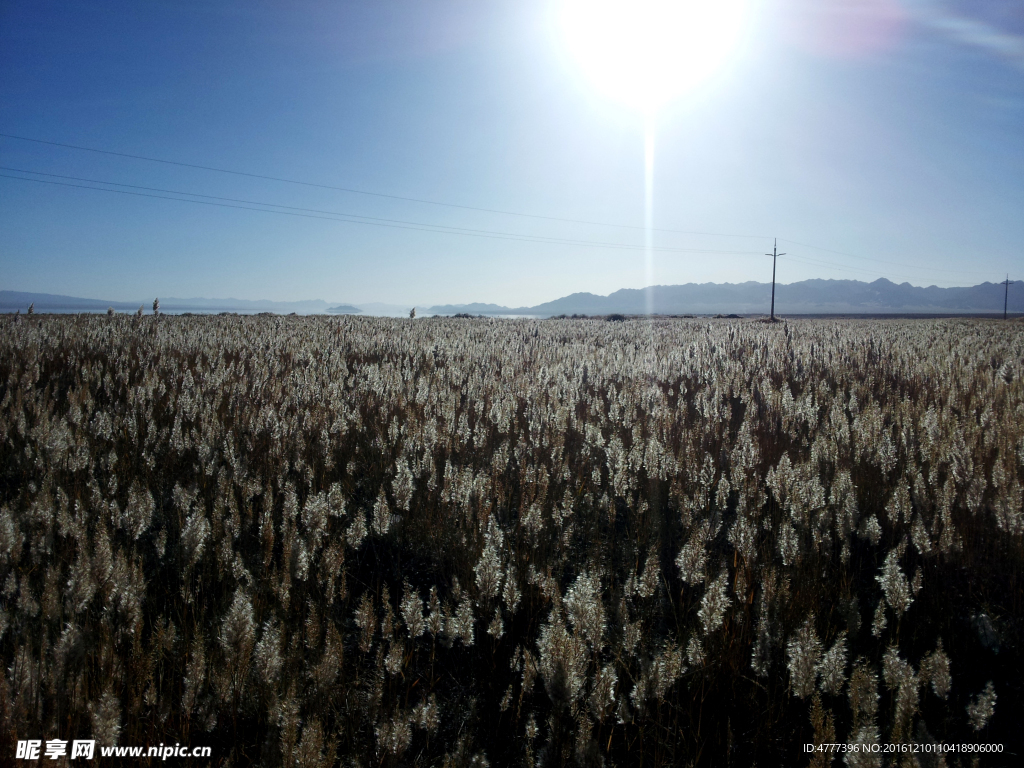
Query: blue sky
x=875, y=138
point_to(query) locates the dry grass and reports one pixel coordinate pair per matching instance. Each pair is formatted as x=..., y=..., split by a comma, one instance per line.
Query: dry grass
x=350, y=541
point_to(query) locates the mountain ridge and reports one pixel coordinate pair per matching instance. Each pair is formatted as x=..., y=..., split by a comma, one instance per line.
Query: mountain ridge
x=814, y=296
x=13, y=300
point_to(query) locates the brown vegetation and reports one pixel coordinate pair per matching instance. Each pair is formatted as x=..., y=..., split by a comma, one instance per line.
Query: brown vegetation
x=357, y=541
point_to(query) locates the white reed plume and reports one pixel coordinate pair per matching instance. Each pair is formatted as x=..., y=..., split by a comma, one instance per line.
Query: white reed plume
x=632, y=632
x=864, y=736
x=563, y=658
x=982, y=707
x=585, y=609
x=871, y=530
x=194, y=535
x=896, y=671
x=427, y=715
x=692, y=559
x=804, y=652
x=488, y=568
x=461, y=623
x=336, y=501
x=832, y=669
x=394, y=658
x=602, y=693
x=382, y=518
x=436, y=620
x=356, y=532
x=310, y=751
x=760, y=657
x=788, y=543
x=743, y=536
x=695, y=651
x=394, y=736
x=643, y=688
x=533, y=520
x=11, y=539
x=863, y=694
x=531, y=727
x=238, y=629
x=648, y=582
x=879, y=623
x=511, y=593
x=907, y=704
x=106, y=718
x=402, y=485
x=715, y=603
x=267, y=656
x=69, y=643
x=668, y=667
x=935, y=670
x=919, y=536
x=139, y=512
x=412, y=612
x=316, y=512
x=496, y=628
x=894, y=584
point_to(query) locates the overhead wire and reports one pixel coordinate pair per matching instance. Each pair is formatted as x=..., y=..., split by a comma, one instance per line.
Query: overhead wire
x=355, y=191
x=313, y=213
x=421, y=226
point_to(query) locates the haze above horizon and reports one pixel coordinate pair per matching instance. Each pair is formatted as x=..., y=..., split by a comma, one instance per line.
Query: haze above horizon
x=456, y=152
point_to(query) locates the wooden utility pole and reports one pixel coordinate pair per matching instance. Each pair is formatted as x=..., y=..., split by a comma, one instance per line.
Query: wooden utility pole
x=1006, y=292
x=774, y=254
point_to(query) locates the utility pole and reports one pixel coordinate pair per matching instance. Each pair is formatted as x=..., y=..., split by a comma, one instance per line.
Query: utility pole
x=774, y=256
x=1006, y=292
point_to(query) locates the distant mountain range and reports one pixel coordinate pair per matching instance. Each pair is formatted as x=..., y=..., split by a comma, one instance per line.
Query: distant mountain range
x=11, y=301
x=806, y=297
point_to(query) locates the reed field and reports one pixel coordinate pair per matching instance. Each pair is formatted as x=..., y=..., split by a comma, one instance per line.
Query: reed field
x=348, y=541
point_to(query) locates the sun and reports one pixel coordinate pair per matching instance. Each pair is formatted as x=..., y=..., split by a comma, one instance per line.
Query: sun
x=645, y=53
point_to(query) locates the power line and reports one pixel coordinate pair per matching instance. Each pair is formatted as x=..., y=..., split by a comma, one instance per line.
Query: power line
x=401, y=224
x=365, y=192
x=470, y=208
x=360, y=217
x=313, y=213
x=353, y=219
x=346, y=216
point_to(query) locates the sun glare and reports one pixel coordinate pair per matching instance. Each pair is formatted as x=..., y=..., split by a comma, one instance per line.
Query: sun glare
x=645, y=53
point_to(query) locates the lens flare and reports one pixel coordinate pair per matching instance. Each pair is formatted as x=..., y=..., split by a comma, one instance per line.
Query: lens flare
x=645, y=53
